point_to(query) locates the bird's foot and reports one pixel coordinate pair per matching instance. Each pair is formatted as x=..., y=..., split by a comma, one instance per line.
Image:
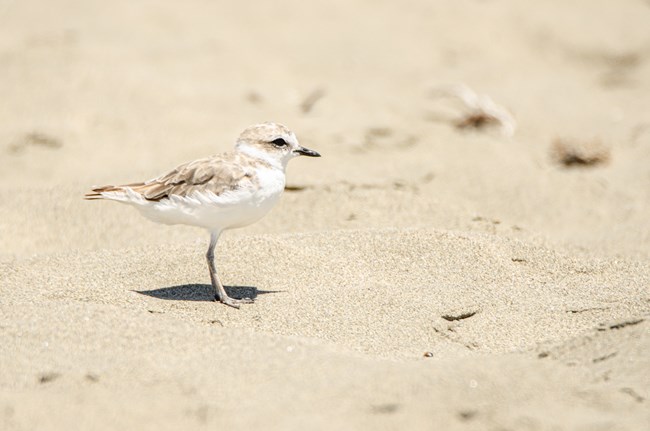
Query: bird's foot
x=232, y=302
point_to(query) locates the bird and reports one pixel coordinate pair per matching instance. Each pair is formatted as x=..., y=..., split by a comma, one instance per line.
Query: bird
x=220, y=192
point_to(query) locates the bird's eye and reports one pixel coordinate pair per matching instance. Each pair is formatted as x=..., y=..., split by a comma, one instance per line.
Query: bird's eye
x=279, y=142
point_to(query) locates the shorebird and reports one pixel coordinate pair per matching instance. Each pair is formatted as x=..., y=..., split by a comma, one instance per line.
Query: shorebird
x=218, y=193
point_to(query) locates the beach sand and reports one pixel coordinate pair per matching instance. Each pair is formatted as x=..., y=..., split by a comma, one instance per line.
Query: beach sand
x=417, y=276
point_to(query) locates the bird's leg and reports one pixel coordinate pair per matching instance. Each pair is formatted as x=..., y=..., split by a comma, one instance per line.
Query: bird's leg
x=220, y=292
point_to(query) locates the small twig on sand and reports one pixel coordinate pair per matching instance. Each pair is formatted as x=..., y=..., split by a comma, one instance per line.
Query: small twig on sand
x=481, y=110
x=571, y=153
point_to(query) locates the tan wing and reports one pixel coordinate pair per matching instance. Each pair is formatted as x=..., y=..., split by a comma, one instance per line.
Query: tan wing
x=216, y=174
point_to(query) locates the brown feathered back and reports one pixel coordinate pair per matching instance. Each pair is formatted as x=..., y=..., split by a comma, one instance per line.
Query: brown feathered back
x=216, y=174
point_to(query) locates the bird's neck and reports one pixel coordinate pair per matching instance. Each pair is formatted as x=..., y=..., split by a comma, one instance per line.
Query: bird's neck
x=262, y=156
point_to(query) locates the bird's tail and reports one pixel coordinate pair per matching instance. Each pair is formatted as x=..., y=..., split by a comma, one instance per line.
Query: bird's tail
x=111, y=192
x=96, y=193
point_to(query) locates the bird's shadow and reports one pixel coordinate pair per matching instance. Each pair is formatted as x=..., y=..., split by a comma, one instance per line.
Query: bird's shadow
x=203, y=292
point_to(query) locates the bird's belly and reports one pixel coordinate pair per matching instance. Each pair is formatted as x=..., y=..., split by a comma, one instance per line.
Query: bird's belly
x=246, y=212
x=229, y=210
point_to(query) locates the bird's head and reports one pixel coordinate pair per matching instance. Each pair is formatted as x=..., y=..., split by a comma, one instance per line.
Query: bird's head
x=273, y=143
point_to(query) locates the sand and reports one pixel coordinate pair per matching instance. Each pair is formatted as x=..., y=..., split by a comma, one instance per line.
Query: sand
x=417, y=276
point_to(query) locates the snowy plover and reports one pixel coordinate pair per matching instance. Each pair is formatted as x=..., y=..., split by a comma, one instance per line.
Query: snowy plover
x=217, y=193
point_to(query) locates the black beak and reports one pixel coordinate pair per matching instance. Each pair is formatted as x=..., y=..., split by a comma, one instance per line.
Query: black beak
x=306, y=152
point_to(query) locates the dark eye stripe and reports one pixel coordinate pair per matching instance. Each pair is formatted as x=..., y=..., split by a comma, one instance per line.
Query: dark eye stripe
x=279, y=142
